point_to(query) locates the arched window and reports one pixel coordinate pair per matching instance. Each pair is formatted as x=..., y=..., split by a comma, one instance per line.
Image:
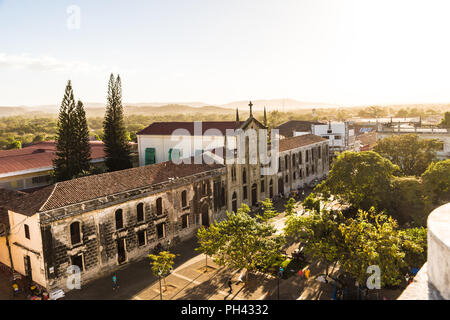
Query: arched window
x=159, y=207
x=244, y=176
x=184, y=199
x=75, y=233
x=119, y=219
x=140, y=212
x=286, y=161
x=300, y=160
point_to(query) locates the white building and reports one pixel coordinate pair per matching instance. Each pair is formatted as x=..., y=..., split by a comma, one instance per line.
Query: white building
x=339, y=134
x=162, y=141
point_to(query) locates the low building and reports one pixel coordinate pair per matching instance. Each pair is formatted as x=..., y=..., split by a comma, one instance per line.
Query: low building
x=340, y=135
x=162, y=141
x=30, y=167
x=295, y=128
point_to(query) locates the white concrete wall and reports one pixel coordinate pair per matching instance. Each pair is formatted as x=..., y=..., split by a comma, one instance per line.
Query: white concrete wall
x=21, y=246
x=189, y=144
x=439, y=250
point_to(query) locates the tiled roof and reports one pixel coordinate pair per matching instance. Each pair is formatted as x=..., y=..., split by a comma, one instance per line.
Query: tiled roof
x=6, y=197
x=92, y=187
x=299, y=141
x=39, y=155
x=287, y=129
x=167, y=128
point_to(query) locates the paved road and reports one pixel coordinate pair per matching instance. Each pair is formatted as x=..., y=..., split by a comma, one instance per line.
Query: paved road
x=133, y=277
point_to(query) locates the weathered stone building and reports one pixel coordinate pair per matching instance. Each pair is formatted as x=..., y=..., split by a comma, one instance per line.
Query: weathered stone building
x=102, y=221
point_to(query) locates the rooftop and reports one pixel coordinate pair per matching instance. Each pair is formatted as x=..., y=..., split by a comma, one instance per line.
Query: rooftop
x=36, y=156
x=167, y=128
x=92, y=187
x=299, y=141
x=287, y=129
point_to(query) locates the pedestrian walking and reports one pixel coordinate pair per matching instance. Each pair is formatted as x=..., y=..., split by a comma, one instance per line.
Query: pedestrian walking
x=115, y=281
x=300, y=273
x=307, y=273
x=229, y=285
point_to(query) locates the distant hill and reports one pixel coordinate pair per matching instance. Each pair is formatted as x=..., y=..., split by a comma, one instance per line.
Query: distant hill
x=277, y=104
x=161, y=110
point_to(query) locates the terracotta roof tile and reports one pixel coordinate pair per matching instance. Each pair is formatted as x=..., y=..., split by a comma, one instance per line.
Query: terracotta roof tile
x=39, y=155
x=299, y=141
x=167, y=128
x=96, y=186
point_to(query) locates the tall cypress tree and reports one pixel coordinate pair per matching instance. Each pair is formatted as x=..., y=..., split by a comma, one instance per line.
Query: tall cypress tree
x=82, y=146
x=64, y=160
x=117, y=148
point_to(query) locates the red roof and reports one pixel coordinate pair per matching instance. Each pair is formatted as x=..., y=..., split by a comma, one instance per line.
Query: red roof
x=39, y=155
x=167, y=128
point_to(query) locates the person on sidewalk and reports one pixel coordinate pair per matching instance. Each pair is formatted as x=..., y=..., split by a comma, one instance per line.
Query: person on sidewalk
x=115, y=281
x=229, y=285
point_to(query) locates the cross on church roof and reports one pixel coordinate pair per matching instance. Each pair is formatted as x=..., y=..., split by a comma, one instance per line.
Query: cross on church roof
x=251, y=105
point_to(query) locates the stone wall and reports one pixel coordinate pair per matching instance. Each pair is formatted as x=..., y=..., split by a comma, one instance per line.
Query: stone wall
x=100, y=237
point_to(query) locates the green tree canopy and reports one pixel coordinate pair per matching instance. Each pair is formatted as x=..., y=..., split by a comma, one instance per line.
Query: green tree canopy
x=436, y=180
x=72, y=139
x=362, y=179
x=116, y=138
x=411, y=154
x=241, y=241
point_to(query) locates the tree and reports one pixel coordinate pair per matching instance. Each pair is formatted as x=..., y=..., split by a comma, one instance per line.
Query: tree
x=319, y=232
x=117, y=148
x=290, y=206
x=15, y=144
x=241, y=242
x=356, y=243
x=72, y=141
x=64, y=168
x=311, y=202
x=372, y=239
x=268, y=210
x=411, y=154
x=161, y=264
x=210, y=241
x=82, y=148
x=414, y=244
x=436, y=180
x=407, y=201
x=362, y=179
x=446, y=120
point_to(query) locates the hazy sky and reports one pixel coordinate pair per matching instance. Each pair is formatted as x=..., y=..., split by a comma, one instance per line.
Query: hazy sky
x=217, y=51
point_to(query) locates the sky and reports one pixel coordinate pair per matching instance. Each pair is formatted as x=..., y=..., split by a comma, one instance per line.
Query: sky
x=346, y=52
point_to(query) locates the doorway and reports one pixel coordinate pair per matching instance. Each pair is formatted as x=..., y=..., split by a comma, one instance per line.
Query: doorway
x=254, y=195
x=205, y=216
x=28, y=270
x=121, y=253
x=281, y=186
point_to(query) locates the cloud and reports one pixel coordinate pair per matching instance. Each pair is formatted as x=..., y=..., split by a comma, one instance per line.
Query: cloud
x=47, y=63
